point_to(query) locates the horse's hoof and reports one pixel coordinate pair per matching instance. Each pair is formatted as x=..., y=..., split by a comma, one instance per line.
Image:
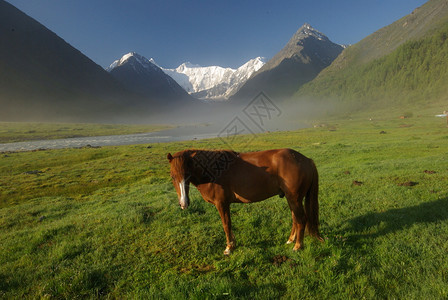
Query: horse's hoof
x=297, y=248
x=227, y=251
x=289, y=242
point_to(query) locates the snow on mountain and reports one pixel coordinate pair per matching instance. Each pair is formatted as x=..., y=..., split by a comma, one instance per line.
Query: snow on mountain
x=209, y=83
x=213, y=82
x=129, y=58
x=145, y=77
x=307, y=29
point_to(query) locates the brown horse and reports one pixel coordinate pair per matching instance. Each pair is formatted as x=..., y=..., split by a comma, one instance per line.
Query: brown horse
x=225, y=177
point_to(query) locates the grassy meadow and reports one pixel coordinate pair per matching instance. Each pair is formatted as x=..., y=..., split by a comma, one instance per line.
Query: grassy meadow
x=105, y=222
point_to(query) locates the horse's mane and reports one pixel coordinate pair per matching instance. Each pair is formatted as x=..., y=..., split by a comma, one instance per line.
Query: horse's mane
x=207, y=165
x=212, y=151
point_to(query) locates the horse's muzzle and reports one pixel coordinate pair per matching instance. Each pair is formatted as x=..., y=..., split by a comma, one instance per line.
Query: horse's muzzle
x=184, y=203
x=184, y=200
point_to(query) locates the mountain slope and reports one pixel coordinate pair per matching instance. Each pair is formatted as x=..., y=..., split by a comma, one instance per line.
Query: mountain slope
x=304, y=56
x=403, y=63
x=142, y=76
x=414, y=26
x=213, y=82
x=44, y=78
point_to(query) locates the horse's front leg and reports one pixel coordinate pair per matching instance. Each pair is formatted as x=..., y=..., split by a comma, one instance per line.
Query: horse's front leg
x=224, y=211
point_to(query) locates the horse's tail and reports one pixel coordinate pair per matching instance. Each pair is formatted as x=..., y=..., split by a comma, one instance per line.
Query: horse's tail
x=312, y=204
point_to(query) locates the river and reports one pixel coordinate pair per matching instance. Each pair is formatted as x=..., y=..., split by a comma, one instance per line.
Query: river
x=171, y=135
x=181, y=133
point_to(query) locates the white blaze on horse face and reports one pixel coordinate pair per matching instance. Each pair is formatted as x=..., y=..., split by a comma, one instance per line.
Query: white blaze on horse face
x=183, y=195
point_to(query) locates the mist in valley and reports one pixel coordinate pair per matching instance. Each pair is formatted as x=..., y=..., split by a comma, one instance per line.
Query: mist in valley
x=189, y=120
x=261, y=114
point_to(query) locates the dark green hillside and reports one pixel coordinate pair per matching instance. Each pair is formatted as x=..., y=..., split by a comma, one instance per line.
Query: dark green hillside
x=401, y=64
x=422, y=21
x=416, y=72
x=43, y=78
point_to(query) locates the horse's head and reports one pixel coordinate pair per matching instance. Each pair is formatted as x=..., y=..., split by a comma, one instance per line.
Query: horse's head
x=180, y=175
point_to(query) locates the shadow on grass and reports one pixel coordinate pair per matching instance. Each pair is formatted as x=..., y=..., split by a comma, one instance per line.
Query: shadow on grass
x=366, y=228
x=400, y=218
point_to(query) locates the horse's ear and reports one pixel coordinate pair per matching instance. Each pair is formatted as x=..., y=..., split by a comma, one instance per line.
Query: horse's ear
x=170, y=157
x=190, y=159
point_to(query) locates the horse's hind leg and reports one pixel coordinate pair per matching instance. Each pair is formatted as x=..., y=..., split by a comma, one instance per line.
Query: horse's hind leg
x=292, y=236
x=298, y=220
x=224, y=212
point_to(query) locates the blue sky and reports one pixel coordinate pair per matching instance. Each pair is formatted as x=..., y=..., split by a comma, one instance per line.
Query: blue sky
x=225, y=33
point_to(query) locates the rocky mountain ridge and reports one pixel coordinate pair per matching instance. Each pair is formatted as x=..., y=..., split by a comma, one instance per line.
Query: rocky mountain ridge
x=306, y=54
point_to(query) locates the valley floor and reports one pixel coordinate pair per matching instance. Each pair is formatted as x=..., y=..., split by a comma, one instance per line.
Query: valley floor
x=105, y=222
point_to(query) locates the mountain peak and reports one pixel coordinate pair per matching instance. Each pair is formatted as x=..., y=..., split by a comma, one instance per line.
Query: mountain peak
x=84, y=91
x=307, y=30
x=255, y=63
x=143, y=76
x=188, y=65
x=133, y=58
x=213, y=82
x=303, y=57
x=258, y=59
x=132, y=55
x=307, y=26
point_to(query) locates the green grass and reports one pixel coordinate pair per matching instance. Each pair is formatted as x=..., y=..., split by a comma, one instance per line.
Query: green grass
x=106, y=222
x=18, y=132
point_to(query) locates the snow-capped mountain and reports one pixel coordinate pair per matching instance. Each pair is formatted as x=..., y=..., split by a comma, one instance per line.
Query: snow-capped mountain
x=143, y=76
x=134, y=59
x=213, y=82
